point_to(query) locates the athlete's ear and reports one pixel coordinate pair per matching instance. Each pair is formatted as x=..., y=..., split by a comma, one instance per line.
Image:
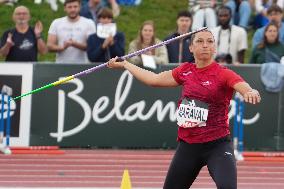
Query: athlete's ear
x=190, y=48
x=215, y=51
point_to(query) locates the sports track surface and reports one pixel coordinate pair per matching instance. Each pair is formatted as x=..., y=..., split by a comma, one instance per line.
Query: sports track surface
x=104, y=169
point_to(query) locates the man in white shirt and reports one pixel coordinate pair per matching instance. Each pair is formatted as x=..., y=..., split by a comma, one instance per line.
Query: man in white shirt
x=67, y=36
x=231, y=40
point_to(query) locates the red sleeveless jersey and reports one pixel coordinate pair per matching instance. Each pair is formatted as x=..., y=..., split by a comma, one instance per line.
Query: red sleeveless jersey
x=213, y=86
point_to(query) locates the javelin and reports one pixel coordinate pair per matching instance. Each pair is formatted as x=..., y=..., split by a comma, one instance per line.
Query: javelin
x=90, y=70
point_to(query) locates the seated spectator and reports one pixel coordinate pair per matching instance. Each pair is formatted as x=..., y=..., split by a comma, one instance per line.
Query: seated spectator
x=67, y=36
x=146, y=37
x=91, y=9
x=274, y=14
x=203, y=13
x=231, y=40
x=102, y=48
x=270, y=49
x=23, y=42
x=261, y=7
x=241, y=11
x=178, y=50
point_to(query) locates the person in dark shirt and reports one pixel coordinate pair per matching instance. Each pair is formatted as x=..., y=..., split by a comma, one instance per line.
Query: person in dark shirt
x=91, y=9
x=102, y=49
x=202, y=114
x=23, y=42
x=178, y=50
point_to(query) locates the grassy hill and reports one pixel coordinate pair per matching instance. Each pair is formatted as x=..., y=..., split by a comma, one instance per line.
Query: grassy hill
x=163, y=12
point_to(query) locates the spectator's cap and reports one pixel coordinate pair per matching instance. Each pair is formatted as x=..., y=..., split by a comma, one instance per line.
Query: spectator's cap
x=184, y=13
x=274, y=8
x=105, y=13
x=71, y=1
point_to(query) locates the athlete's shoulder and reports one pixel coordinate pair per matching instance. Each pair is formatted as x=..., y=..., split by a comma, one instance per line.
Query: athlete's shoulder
x=184, y=67
x=221, y=67
x=187, y=65
x=221, y=71
x=181, y=72
x=227, y=74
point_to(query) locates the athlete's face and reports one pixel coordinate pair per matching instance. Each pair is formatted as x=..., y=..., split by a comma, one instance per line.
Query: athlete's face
x=72, y=9
x=203, y=46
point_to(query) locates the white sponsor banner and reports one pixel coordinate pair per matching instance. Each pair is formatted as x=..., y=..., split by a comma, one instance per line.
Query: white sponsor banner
x=133, y=112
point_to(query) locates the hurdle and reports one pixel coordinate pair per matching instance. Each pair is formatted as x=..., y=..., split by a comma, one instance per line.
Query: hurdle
x=238, y=128
x=5, y=125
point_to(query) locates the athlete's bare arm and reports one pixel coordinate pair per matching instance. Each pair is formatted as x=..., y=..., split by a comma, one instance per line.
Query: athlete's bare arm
x=250, y=95
x=163, y=79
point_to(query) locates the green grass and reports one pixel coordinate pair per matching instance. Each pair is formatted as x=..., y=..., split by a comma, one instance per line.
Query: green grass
x=162, y=12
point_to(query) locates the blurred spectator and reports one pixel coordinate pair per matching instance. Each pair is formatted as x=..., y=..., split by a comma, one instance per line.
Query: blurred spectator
x=129, y=2
x=178, y=51
x=146, y=37
x=203, y=13
x=104, y=44
x=241, y=11
x=113, y=5
x=84, y=2
x=3, y=1
x=231, y=40
x=270, y=49
x=8, y=2
x=261, y=7
x=23, y=42
x=91, y=9
x=52, y=3
x=67, y=36
x=274, y=14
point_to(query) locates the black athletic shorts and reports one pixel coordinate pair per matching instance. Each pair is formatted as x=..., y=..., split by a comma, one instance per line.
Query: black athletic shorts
x=188, y=160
